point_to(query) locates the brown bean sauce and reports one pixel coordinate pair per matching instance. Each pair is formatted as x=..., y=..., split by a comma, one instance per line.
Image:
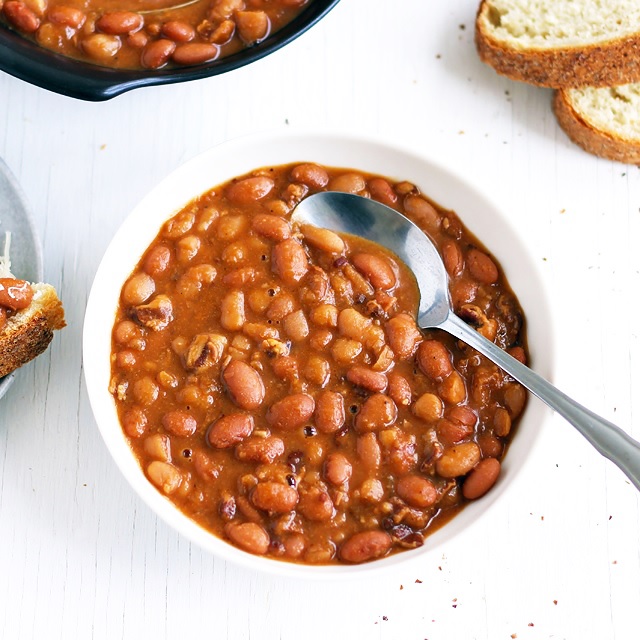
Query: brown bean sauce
x=273, y=383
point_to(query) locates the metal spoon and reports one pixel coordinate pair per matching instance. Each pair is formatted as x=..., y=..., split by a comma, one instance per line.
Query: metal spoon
x=348, y=213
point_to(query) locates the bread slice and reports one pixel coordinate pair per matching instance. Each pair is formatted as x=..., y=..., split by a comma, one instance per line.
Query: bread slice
x=603, y=121
x=561, y=43
x=28, y=332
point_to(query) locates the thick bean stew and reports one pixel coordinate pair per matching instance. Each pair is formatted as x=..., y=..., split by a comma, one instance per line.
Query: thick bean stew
x=274, y=385
x=149, y=33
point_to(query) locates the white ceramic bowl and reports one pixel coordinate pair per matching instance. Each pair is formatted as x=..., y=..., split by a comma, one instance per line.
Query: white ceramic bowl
x=477, y=211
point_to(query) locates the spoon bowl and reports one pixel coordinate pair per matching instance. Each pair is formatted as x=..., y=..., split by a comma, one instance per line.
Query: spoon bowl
x=356, y=215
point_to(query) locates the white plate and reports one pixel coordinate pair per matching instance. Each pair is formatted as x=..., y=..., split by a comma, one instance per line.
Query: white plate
x=477, y=210
x=26, y=254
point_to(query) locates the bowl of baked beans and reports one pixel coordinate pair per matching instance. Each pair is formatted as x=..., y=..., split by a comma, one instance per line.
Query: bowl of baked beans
x=263, y=385
x=97, y=50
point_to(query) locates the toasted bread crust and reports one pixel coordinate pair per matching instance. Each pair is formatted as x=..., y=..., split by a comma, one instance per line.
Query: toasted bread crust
x=30, y=332
x=610, y=63
x=595, y=141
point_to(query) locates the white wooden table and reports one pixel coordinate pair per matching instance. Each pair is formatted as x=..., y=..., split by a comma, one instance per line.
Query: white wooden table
x=82, y=557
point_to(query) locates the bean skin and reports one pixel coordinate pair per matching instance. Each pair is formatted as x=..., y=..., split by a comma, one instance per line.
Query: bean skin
x=365, y=546
x=481, y=479
x=243, y=384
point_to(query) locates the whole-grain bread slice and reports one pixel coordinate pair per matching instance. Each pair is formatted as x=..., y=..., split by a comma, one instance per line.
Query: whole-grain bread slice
x=27, y=333
x=603, y=121
x=561, y=43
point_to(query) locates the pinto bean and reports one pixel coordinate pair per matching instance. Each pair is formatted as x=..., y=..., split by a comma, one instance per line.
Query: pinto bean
x=316, y=505
x=481, y=479
x=458, y=460
x=179, y=423
x=378, y=412
x=272, y=227
x=249, y=536
x=403, y=335
x=229, y=430
x=263, y=450
x=482, y=267
x=417, y=491
x=243, y=384
x=434, y=359
x=376, y=269
x=329, y=411
x=195, y=53
x=310, y=174
x=249, y=190
x=289, y=261
x=119, y=22
x=291, y=412
x=368, y=450
x=367, y=379
x=365, y=546
x=337, y=469
x=274, y=497
x=322, y=239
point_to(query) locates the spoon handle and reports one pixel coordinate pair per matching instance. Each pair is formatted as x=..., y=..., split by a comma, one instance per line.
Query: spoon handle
x=611, y=441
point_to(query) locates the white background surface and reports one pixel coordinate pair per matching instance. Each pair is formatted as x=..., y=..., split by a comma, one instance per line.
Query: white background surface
x=82, y=557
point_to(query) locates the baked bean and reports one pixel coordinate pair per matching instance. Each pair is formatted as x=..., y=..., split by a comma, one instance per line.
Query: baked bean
x=423, y=212
x=376, y=269
x=452, y=258
x=317, y=371
x=482, y=267
x=244, y=385
x=15, y=294
x=501, y=422
x=463, y=291
x=130, y=334
x=295, y=326
x=157, y=53
x=289, y=261
x=345, y=351
x=241, y=277
x=450, y=432
x=178, y=31
x=187, y=248
x=428, y=407
x=382, y=191
x=515, y=398
x=249, y=190
x=145, y=391
x=367, y=379
x=126, y=359
x=399, y=389
x=165, y=476
x=458, y=460
x=322, y=239
x=294, y=545
x=179, y=423
x=403, y=335
x=253, y=26
x=337, y=469
x=417, y=491
x=158, y=446
x=368, y=450
x=101, y=46
x=490, y=446
x=365, y=546
x=371, y=491
x=377, y=412
x=134, y=422
x=271, y=227
x=229, y=430
x=453, y=389
x=518, y=353
x=138, y=289
x=352, y=324
x=481, y=479
x=195, y=53
x=264, y=450
x=20, y=16
x=329, y=412
x=232, y=311
x=434, y=360
x=67, y=16
x=119, y=22
x=137, y=40
x=157, y=261
x=320, y=339
x=463, y=414
x=179, y=225
x=291, y=412
x=249, y=536
x=325, y=315
x=281, y=306
x=348, y=183
x=310, y=174
x=274, y=497
x=316, y=505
